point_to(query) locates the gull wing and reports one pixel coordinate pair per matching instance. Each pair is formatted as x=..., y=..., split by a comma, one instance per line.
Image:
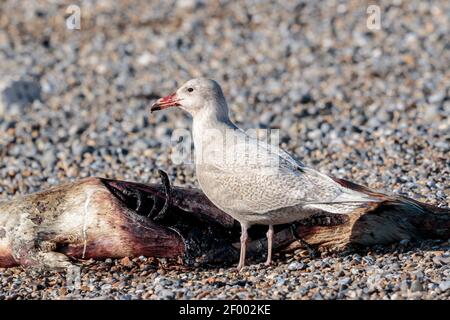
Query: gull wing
x=253, y=176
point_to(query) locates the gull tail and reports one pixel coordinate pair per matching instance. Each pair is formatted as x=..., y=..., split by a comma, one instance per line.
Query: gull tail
x=381, y=201
x=397, y=217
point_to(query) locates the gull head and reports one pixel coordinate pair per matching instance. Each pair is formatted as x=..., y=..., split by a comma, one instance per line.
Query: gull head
x=196, y=96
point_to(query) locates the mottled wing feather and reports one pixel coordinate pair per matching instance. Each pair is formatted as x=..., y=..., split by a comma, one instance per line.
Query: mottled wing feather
x=258, y=178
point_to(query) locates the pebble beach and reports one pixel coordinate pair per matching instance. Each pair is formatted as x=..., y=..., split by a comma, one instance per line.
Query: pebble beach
x=371, y=105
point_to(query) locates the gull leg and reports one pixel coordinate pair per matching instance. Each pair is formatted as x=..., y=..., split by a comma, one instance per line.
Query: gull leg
x=244, y=238
x=269, y=245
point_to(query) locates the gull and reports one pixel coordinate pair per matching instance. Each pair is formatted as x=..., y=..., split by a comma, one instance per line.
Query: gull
x=250, y=179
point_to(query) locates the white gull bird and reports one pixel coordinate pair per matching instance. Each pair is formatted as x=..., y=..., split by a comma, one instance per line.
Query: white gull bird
x=249, y=179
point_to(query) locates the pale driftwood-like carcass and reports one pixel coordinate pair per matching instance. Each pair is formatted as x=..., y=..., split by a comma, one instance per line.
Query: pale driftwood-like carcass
x=101, y=218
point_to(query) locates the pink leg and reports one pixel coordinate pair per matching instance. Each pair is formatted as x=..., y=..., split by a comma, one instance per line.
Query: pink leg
x=269, y=245
x=244, y=238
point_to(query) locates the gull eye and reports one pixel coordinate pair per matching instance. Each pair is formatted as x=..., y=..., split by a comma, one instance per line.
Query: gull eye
x=190, y=89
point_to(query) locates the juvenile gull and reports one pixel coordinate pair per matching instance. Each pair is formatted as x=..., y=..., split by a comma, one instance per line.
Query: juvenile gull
x=251, y=180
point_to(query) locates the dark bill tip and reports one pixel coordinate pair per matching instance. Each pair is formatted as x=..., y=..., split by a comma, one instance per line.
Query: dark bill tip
x=155, y=107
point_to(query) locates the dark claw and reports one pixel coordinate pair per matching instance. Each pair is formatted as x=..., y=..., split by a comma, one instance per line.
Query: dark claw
x=151, y=214
x=134, y=194
x=138, y=201
x=168, y=191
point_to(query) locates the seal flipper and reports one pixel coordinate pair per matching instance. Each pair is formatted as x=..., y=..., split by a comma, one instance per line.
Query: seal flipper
x=37, y=259
x=38, y=255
